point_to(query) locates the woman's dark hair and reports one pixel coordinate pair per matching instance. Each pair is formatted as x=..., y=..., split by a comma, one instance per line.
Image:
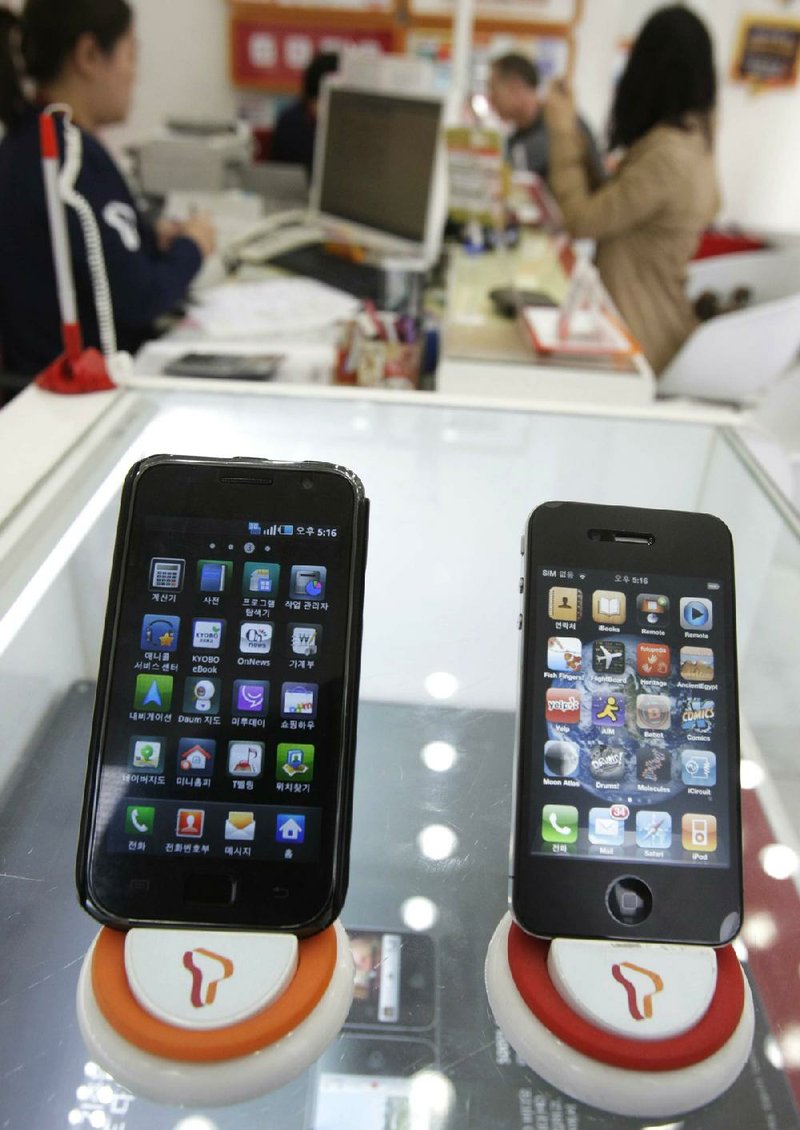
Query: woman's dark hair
x=36, y=44
x=326, y=63
x=669, y=75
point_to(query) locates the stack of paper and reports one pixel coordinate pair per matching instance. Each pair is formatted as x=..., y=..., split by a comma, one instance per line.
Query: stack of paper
x=271, y=308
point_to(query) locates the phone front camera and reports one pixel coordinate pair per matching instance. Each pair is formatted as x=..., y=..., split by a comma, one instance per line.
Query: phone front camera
x=308, y=484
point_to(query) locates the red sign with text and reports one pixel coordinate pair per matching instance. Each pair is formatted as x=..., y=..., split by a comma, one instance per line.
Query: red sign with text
x=274, y=56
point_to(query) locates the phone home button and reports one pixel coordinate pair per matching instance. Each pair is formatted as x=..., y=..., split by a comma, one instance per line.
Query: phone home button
x=629, y=900
x=211, y=890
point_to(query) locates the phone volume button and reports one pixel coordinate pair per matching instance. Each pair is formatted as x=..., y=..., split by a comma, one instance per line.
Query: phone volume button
x=519, y=622
x=522, y=584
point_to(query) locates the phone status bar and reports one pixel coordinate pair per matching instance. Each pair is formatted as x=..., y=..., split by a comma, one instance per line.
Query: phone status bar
x=604, y=576
x=238, y=528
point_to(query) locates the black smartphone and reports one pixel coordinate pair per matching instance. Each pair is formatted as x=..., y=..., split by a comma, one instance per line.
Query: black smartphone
x=627, y=806
x=395, y=979
x=219, y=786
x=226, y=366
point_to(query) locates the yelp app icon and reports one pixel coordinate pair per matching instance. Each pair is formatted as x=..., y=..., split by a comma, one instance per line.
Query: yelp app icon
x=562, y=706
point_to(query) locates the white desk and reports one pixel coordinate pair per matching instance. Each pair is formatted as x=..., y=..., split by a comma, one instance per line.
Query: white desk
x=484, y=354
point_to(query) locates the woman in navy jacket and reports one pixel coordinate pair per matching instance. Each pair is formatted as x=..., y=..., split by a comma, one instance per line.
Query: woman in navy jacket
x=82, y=53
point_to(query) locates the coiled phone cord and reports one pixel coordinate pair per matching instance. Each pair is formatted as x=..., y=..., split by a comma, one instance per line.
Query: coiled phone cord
x=73, y=156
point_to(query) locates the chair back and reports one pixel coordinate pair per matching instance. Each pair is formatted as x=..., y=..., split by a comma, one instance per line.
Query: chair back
x=735, y=357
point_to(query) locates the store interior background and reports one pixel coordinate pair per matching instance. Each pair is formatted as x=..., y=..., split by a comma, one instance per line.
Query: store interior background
x=184, y=71
x=758, y=144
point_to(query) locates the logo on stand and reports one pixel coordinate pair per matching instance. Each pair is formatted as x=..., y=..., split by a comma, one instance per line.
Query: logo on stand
x=208, y=970
x=640, y=986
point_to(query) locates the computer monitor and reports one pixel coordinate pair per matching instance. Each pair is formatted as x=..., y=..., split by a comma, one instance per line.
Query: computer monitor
x=379, y=170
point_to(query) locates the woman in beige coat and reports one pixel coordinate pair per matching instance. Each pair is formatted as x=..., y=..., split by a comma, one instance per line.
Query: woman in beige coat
x=648, y=217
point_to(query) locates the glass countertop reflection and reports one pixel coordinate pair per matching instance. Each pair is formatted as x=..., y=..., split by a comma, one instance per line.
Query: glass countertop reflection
x=450, y=490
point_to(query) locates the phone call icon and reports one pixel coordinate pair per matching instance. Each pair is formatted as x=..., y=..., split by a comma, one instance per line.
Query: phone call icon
x=139, y=820
x=559, y=824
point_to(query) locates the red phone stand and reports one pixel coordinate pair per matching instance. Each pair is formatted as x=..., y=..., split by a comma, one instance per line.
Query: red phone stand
x=212, y=1017
x=639, y=1029
x=86, y=372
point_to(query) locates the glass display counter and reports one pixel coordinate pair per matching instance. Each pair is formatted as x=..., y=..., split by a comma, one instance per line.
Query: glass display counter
x=450, y=490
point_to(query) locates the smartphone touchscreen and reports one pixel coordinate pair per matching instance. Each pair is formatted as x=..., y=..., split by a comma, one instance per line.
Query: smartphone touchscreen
x=225, y=714
x=630, y=747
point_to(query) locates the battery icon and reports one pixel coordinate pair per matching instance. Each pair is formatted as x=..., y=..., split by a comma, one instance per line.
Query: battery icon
x=713, y=585
x=286, y=531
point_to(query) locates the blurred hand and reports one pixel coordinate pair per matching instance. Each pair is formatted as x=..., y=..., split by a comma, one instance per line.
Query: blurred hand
x=166, y=232
x=559, y=108
x=201, y=229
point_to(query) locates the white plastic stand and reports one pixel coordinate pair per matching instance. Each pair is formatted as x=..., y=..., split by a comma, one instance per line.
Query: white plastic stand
x=212, y=1017
x=639, y=1029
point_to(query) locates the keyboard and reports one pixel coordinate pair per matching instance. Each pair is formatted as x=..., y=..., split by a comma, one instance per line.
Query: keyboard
x=313, y=262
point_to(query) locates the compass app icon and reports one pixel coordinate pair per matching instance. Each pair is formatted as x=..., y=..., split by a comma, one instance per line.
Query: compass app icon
x=653, y=830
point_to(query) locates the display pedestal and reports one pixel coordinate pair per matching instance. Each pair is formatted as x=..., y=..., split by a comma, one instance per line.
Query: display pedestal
x=639, y=1029
x=212, y=1017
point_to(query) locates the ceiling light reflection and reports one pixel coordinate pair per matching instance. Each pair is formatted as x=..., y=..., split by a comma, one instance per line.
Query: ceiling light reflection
x=419, y=913
x=196, y=1122
x=778, y=861
x=441, y=684
x=480, y=105
x=759, y=930
x=437, y=842
x=773, y=1053
x=789, y=1041
x=439, y=756
x=751, y=775
x=431, y=1097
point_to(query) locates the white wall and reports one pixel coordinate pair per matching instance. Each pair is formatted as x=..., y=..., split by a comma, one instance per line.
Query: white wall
x=758, y=142
x=183, y=64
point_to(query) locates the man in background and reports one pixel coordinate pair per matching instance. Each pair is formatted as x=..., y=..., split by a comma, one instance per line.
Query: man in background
x=514, y=96
x=296, y=127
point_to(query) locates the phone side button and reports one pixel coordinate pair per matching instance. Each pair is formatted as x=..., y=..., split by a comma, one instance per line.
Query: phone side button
x=215, y=890
x=629, y=900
